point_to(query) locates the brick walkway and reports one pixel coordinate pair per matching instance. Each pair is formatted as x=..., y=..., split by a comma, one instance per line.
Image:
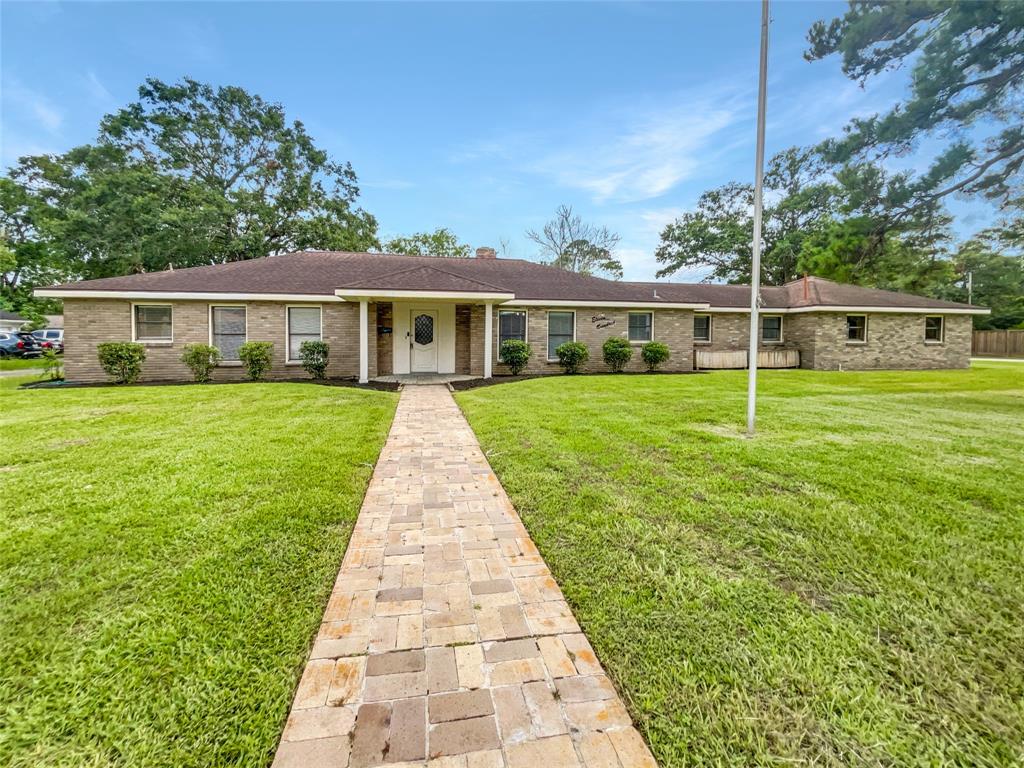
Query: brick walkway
x=446, y=642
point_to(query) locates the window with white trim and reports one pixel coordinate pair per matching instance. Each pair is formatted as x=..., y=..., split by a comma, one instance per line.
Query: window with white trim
x=561, y=328
x=771, y=329
x=511, y=326
x=227, y=330
x=153, y=322
x=303, y=325
x=933, y=329
x=641, y=326
x=702, y=328
x=857, y=329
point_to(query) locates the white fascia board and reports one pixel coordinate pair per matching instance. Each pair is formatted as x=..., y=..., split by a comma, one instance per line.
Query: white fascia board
x=859, y=310
x=371, y=293
x=182, y=295
x=623, y=304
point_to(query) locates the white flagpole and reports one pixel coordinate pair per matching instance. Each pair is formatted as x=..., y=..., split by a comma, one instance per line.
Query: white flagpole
x=755, y=267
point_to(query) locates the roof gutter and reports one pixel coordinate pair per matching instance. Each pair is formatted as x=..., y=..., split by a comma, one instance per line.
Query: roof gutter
x=878, y=310
x=66, y=293
x=623, y=304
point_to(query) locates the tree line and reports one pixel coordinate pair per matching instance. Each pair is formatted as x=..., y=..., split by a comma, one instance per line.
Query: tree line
x=193, y=174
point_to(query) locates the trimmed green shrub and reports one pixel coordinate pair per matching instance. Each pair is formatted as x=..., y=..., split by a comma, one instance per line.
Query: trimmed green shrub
x=201, y=359
x=515, y=354
x=314, y=356
x=121, y=360
x=256, y=357
x=617, y=351
x=654, y=354
x=572, y=356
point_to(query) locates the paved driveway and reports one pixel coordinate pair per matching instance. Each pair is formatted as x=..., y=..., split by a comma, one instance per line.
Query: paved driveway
x=446, y=641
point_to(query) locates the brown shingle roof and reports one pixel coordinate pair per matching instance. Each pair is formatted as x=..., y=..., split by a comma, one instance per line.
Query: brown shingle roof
x=320, y=273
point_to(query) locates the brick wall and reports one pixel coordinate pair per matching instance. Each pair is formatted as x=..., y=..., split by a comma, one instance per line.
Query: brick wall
x=672, y=327
x=88, y=322
x=893, y=342
x=463, y=338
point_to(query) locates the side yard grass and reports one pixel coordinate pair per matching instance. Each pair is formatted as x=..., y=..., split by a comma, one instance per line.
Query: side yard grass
x=21, y=363
x=845, y=589
x=165, y=557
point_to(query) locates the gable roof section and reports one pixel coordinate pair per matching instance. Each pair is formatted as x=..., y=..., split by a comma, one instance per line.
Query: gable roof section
x=424, y=278
x=330, y=275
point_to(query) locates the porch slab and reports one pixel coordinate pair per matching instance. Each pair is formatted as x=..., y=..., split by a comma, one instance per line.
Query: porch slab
x=446, y=640
x=416, y=379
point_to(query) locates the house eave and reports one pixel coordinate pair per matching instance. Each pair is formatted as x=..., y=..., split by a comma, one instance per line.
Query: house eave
x=67, y=293
x=859, y=309
x=617, y=304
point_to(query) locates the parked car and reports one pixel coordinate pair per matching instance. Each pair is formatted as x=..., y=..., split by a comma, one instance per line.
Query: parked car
x=19, y=344
x=51, y=337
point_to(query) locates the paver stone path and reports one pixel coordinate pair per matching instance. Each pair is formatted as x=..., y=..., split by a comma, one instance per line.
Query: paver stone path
x=446, y=642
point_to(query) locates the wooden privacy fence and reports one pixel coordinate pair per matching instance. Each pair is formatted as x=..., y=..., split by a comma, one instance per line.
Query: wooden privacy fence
x=766, y=358
x=998, y=343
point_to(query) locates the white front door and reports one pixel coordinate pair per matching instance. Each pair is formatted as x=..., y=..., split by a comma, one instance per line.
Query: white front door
x=423, y=338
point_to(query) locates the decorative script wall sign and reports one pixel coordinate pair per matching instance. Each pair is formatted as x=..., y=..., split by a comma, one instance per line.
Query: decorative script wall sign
x=602, y=321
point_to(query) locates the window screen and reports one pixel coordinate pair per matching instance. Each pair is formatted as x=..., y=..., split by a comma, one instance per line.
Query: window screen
x=560, y=330
x=641, y=326
x=511, y=325
x=702, y=327
x=856, y=328
x=153, y=323
x=771, y=328
x=228, y=330
x=933, y=329
x=303, y=325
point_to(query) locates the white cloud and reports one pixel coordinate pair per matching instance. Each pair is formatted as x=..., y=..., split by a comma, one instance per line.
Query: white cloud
x=98, y=91
x=32, y=106
x=628, y=152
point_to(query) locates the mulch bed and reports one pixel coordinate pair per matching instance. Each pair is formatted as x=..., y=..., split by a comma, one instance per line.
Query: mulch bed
x=461, y=386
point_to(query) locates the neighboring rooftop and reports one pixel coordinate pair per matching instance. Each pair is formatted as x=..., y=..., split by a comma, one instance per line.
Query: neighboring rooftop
x=321, y=273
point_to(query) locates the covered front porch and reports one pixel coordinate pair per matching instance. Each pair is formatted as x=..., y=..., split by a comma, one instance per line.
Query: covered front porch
x=423, y=333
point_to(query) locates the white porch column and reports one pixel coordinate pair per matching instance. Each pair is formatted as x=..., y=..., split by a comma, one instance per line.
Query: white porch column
x=489, y=336
x=364, y=342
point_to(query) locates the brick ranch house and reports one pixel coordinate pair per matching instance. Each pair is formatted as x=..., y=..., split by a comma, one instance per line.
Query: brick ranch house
x=386, y=314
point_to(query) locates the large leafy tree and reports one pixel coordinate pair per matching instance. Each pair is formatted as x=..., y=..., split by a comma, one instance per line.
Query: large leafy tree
x=569, y=243
x=990, y=277
x=967, y=81
x=192, y=174
x=27, y=259
x=440, y=242
x=718, y=233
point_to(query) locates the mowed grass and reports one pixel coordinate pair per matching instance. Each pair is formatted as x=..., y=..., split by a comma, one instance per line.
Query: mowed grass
x=845, y=589
x=166, y=554
x=21, y=363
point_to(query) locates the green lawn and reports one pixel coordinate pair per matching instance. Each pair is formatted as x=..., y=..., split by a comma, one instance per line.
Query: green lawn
x=21, y=363
x=845, y=589
x=165, y=557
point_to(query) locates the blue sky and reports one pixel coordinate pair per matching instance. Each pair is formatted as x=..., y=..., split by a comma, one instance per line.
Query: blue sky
x=476, y=116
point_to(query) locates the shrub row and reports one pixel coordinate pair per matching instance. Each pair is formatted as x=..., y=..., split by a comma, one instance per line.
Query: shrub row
x=122, y=361
x=573, y=355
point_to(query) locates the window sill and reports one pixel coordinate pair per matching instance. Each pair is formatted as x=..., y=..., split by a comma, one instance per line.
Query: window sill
x=700, y=343
x=934, y=343
x=852, y=343
x=641, y=343
x=293, y=362
x=229, y=364
x=155, y=342
x=771, y=343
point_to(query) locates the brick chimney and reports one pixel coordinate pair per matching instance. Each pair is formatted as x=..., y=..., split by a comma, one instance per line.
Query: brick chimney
x=486, y=253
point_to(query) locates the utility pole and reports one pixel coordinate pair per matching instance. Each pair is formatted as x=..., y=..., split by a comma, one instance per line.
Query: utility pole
x=970, y=287
x=755, y=267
